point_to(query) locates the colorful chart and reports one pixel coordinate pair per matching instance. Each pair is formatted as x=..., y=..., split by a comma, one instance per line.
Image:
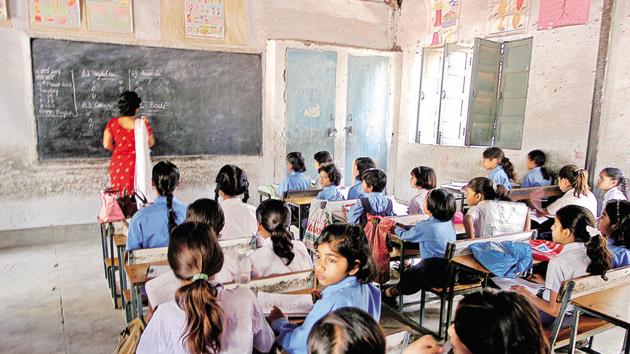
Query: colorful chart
x=110, y=16
x=56, y=13
x=204, y=19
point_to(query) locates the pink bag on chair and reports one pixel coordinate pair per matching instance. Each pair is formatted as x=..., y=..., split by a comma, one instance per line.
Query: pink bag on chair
x=110, y=210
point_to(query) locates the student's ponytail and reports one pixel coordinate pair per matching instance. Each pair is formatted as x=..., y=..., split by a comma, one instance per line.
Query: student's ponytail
x=577, y=177
x=508, y=167
x=504, y=162
x=274, y=216
x=601, y=259
x=165, y=177
x=488, y=189
x=618, y=212
x=282, y=245
x=203, y=316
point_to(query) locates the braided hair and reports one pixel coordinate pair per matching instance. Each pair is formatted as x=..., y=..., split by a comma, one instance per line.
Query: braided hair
x=232, y=181
x=165, y=177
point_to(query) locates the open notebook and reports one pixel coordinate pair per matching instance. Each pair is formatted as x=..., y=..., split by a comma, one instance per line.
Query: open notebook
x=506, y=284
x=290, y=304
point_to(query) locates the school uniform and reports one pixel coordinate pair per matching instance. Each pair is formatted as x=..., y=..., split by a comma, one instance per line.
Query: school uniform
x=498, y=176
x=265, y=262
x=296, y=181
x=240, y=219
x=417, y=203
x=495, y=217
x=432, y=236
x=330, y=193
x=347, y=293
x=378, y=202
x=356, y=191
x=244, y=325
x=621, y=255
x=612, y=194
x=148, y=228
x=534, y=178
x=588, y=201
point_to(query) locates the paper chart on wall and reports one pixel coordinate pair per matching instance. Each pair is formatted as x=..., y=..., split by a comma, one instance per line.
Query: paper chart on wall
x=559, y=13
x=3, y=10
x=444, y=21
x=110, y=16
x=508, y=15
x=56, y=13
x=204, y=19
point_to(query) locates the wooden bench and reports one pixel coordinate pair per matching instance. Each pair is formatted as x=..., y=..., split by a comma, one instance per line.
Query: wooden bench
x=535, y=196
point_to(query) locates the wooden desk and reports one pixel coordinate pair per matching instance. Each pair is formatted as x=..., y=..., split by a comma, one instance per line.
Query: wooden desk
x=298, y=201
x=612, y=305
x=137, y=274
x=120, y=241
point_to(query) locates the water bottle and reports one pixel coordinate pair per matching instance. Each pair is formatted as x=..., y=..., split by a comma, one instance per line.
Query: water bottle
x=244, y=271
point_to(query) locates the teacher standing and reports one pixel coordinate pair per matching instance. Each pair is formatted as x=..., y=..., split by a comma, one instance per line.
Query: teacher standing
x=119, y=137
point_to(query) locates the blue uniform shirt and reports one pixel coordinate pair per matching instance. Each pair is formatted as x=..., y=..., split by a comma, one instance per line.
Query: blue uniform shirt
x=534, y=178
x=498, y=176
x=149, y=226
x=347, y=293
x=621, y=255
x=432, y=235
x=296, y=181
x=378, y=202
x=330, y=193
x=356, y=191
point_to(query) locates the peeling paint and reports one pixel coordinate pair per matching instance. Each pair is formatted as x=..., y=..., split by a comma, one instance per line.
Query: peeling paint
x=312, y=112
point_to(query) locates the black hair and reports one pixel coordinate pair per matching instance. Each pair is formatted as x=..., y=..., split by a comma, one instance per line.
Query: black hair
x=577, y=177
x=617, y=175
x=425, y=177
x=323, y=157
x=350, y=241
x=297, y=161
x=275, y=217
x=364, y=163
x=504, y=162
x=165, y=177
x=375, y=178
x=232, y=181
x=576, y=218
x=347, y=330
x=492, y=322
x=488, y=189
x=128, y=103
x=333, y=173
x=441, y=204
x=538, y=158
x=206, y=211
x=618, y=212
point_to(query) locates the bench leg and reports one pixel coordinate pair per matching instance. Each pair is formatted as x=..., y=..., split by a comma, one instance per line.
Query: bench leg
x=104, y=248
x=441, y=321
x=626, y=342
x=401, y=270
x=423, y=296
x=574, y=330
x=449, y=314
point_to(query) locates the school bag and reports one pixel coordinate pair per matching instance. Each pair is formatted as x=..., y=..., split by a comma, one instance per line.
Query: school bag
x=110, y=210
x=130, y=337
x=367, y=210
x=317, y=220
x=376, y=228
x=507, y=259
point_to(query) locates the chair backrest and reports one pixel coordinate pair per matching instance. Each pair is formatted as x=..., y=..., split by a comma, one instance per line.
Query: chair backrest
x=462, y=247
x=280, y=283
x=148, y=255
x=534, y=193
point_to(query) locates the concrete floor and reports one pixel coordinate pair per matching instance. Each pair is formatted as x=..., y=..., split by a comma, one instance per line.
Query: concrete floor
x=56, y=298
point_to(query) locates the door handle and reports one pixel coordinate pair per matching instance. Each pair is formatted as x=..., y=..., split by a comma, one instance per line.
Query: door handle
x=349, y=130
x=332, y=132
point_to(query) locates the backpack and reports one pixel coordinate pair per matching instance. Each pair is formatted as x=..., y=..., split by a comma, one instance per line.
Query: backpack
x=367, y=209
x=130, y=337
x=376, y=228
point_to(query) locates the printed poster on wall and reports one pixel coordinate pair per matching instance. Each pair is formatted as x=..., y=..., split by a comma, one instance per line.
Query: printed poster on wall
x=508, y=15
x=444, y=21
x=559, y=13
x=110, y=16
x=56, y=13
x=204, y=19
x=3, y=10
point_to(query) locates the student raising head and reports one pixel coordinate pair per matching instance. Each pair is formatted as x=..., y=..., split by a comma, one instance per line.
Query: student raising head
x=347, y=330
x=329, y=179
x=500, y=167
x=373, y=201
x=360, y=165
x=296, y=181
x=581, y=255
x=432, y=236
x=345, y=269
x=489, y=322
x=204, y=317
x=422, y=179
x=150, y=226
x=573, y=181
x=614, y=224
x=232, y=192
x=537, y=175
x=279, y=252
x=613, y=184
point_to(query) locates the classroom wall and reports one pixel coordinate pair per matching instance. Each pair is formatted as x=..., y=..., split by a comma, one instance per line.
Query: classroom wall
x=35, y=193
x=559, y=96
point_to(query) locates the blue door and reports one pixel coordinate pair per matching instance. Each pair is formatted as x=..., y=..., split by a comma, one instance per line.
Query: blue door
x=310, y=98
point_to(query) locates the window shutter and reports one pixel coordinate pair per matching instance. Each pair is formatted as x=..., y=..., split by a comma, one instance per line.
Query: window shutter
x=455, y=95
x=430, y=88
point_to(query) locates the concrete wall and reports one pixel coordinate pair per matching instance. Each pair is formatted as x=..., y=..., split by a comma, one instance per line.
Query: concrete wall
x=559, y=97
x=35, y=193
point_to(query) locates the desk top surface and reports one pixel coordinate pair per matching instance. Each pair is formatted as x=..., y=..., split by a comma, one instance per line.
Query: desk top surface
x=470, y=262
x=137, y=273
x=611, y=303
x=300, y=200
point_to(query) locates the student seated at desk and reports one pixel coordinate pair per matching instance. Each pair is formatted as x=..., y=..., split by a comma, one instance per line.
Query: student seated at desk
x=232, y=192
x=490, y=322
x=321, y=159
x=279, y=253
x=537, y=175
x=612, y=182
x=500, y=167
x=614, y=224
x=344, y=267
x=346, y=330
x=204, y=317
x=373, y=201
x=329, y=179
x=150, y=226
x=582, y=254
x=422, y=179
x=432, y=235
x=296, y=181
x=360, y=165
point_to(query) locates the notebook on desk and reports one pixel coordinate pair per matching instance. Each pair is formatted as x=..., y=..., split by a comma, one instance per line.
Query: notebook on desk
x=291, y=304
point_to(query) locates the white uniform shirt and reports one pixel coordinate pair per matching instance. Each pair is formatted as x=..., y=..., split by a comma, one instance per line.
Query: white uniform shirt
x=265, y=262
x=244, y=326
x=240, y=219
x=494, y=217
x=570, y=263
x=588, y=201
x=612, y=194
